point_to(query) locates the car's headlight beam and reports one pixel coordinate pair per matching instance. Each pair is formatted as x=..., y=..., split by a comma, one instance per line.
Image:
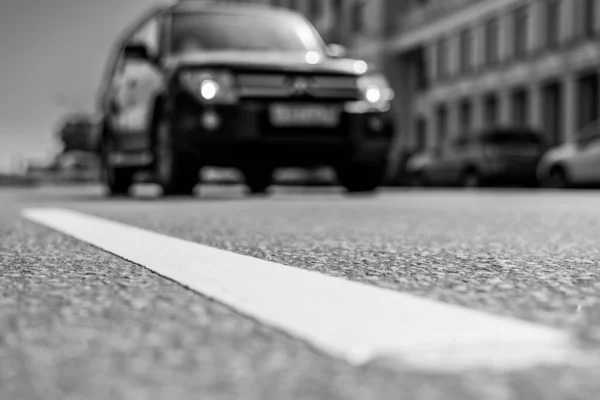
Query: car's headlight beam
x=375, y=91
x=214, y=87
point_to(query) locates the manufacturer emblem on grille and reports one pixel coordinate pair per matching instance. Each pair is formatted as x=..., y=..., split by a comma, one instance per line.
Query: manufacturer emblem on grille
x=300, y=86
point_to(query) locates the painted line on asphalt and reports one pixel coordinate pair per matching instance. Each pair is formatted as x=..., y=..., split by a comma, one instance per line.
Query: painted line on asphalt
x=348, y=320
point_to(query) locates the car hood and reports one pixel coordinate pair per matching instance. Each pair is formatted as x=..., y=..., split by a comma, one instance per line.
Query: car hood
x=560, y=153
x=419, y=161
x=272, y=61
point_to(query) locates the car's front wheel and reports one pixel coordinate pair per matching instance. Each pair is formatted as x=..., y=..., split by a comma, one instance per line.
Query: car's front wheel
x=117, y=180
x=176, y=172
x=471, y=179
x=557, y=178
x=420, y=179
x=360, y=178
x=258, y=179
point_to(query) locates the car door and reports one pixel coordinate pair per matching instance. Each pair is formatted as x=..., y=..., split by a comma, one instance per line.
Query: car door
x=434, y=166
x=134, y=87
x=448, y=161
x=444, y=158
x=456, y=160
x=584, y=166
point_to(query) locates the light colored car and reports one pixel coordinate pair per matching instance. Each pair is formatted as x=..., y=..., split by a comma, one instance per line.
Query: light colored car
x=576, y=163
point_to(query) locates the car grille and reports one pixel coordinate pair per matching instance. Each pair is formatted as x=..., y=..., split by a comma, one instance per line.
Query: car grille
x=282, y=86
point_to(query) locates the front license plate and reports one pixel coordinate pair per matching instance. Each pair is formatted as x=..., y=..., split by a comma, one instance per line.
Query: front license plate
x=284, y=115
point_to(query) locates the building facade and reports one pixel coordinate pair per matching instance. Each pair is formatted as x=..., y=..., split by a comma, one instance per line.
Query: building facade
x=467, y=64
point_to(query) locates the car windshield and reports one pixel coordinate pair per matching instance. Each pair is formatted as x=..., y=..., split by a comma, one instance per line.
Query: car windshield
x=213, y=31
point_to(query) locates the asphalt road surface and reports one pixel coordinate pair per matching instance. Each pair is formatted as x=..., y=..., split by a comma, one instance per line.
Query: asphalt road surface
x=79, y=323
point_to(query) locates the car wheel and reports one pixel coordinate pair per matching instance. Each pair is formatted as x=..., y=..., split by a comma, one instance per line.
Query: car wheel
x=176, y=172
x=420, y=179
x=117, y=180
x=258, y=179
x=557, y=178
x=358, y=178
x=470, y=179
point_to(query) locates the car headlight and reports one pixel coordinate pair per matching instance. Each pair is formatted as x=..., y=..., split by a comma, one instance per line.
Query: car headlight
x=373, y=94
x=213, y=87
x=375, y=90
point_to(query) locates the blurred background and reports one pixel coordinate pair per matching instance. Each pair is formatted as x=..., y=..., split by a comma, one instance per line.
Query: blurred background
x=455, y=65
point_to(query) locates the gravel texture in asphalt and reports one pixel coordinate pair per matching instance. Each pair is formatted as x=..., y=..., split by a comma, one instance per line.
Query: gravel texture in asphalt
x=533, y=255
x=80, y=323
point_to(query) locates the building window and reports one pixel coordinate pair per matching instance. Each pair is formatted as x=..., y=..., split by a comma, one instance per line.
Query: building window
x=588, y=98
x=520, y=107
x=337, y=35
x=553, y=23
x=314, y=9
x=588, y=13
x=421, y=130
x=490, y=109
x=422, y=69
x=443, y=59
x=442, y=124
x=310, y=9
x=464, y=116
x=358, y=17
x=466, y=50
x=492, y=41
x=521, y=29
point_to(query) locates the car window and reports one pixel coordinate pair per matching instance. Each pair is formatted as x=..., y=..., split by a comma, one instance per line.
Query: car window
x=148, y=34
x=512, y=138
x=210, y=31
x=589, y=133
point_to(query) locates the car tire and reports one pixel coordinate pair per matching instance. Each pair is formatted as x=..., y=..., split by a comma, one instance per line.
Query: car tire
x=117, y=180
x=557, y=178
x=420, y=179
x=176, y=172
x=258, y=180
x=358, y=178
x=470, y=179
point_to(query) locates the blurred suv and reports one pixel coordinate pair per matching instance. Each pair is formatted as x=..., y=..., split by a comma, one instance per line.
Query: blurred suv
x=575, y=163
x=506, y=155
x=246, y=86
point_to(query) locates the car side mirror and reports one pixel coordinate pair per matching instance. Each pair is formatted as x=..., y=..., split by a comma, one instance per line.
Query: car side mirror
x=136, y=51
x=336, y=51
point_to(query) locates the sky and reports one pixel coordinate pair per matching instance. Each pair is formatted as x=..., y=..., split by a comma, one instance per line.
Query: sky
x=52, y=55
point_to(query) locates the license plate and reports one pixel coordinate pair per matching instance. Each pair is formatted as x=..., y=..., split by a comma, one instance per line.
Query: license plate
x=283, y=115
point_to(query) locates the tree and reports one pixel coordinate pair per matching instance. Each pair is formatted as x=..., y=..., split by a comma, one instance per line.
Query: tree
x=76, y=133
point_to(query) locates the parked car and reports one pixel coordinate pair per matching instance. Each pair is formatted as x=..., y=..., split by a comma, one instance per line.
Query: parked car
x=243, y=86
x=503, y=155
x=576, y=163
x=418, y=167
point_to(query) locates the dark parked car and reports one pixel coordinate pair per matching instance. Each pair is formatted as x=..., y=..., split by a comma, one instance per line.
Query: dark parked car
x=242, y=86
x=507, y=155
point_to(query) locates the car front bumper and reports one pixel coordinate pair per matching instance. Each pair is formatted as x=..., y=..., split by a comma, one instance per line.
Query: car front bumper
x=233, y=136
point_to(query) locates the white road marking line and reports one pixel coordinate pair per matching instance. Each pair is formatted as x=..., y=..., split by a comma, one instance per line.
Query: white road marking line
x=348, y=320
